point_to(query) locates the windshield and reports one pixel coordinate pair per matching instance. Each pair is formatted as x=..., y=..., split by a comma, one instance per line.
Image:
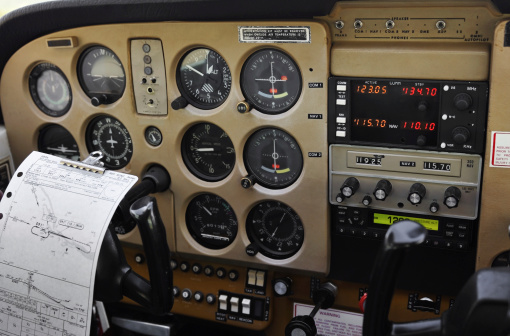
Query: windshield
x=7, y=6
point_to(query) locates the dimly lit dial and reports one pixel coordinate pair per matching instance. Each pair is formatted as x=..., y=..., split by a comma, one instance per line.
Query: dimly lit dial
x=211, y=221
x=271, y=81
x=50, y=89
x=276, y=229
x=273, y=157
x=108, y=135
x=101, y=75
x=56, y=140
x=204, y=78
x=208, y=152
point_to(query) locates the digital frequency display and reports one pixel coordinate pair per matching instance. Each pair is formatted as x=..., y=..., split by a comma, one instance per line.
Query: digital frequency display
x=387, y=219
x=395, y=112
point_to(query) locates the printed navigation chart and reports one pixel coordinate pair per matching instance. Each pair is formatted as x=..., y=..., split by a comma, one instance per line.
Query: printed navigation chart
x=52, y=222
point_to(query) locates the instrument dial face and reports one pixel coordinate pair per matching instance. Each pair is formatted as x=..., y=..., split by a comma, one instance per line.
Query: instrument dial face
x=208, y=152
x=56, y=140
x=101, y=74
x=273, y=157
x=211, y=221
x=276, y=228
x=271, y=81
x=50, y=89
x=204, y=78
x=108, y=135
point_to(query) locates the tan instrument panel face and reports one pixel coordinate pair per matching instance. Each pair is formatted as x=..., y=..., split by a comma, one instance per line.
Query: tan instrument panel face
x=305, y=195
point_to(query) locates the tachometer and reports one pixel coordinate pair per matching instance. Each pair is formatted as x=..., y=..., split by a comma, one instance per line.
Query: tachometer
x=204, y=78
x=50, y=89
x=208, y=152
x=56, y=140
x=211, y=221
x=108, y=135
x=271, y=81
x=275, y=229
x=101, y=75
x=273, y=158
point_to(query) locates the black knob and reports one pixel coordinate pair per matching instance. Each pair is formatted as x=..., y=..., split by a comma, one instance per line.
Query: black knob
x=210, y=299
x=281, y=286
x=349, y=187
x=96, y=101
x=421, y=140
x=196, y=268
x=252, y=250
x=452, y=197
x=460, y=135
x=179, y=103
x=176, y=291
x=462, y=101
x=366, y=200
x=302, y=325
x=184, y=266
x=434, y=207
x=186, y=294
x=422, y=106
x=243, y=107
x=382, y=190
x=248, y=181
x=198, y=296
x=416, y=193
x=339, y=198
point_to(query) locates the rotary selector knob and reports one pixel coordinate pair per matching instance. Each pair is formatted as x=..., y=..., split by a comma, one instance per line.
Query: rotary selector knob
x=366, y=200
x=416, y=193
x=462, y=101
x=434, y=207
x=282, y=286
x=186, y=294
x=460, y=135
x=349, y=187
x=452, y=197
x=382, y=190
x=421, y=140
x=423, y=106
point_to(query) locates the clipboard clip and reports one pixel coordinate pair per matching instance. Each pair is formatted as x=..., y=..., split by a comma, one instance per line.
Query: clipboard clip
x=92, y=163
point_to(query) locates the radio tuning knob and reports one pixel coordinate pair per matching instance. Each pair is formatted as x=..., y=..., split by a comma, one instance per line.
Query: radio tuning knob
x=366, y=200
x=434, y=207
x=416, y=193
x=460, y=135
x=349, y=187
x=462, y=101
x=452, y=197
x=421, y=140
x=382, y=190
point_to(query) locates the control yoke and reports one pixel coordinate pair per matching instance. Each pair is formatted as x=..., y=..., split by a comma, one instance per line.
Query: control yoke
x=482, y=307
x=114, y=277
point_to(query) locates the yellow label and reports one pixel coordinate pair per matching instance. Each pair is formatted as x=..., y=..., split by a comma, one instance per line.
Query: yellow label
x=386, y=219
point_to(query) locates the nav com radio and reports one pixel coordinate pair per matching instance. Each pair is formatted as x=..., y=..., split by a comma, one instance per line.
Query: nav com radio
x=417, y=114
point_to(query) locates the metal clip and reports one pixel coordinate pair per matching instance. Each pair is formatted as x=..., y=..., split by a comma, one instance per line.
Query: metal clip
x=91, y=164
x=94, y=159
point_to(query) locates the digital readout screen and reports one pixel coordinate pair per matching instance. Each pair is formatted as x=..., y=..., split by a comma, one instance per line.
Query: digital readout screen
x=387, y=219
x=394, y=112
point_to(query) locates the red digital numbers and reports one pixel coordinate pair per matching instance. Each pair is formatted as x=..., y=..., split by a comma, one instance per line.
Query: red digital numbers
x=418, y=125
x=372, y=89
x=369, y=122
x=419, y=91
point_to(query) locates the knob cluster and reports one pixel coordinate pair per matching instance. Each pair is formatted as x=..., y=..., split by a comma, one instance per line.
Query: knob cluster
x=383, y=189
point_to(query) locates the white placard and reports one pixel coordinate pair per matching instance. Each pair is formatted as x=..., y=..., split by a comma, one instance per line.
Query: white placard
x=53, y=220
x=500, y=149
x=333, y=322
